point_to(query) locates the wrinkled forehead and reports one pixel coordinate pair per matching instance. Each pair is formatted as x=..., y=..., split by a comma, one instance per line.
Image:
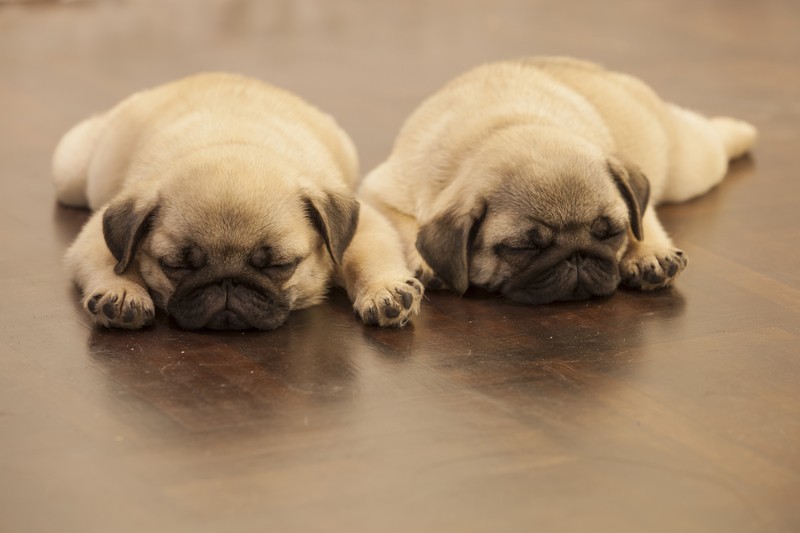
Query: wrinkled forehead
x=560, y=193
x=230, y=221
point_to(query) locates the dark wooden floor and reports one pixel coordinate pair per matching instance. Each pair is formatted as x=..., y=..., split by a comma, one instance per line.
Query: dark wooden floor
x=665, y=412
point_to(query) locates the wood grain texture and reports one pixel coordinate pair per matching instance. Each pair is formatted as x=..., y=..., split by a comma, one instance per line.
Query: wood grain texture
x=672, y=411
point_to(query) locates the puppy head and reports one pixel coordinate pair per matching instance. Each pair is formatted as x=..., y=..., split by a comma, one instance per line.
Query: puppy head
x=228, y=248
x=540, y=227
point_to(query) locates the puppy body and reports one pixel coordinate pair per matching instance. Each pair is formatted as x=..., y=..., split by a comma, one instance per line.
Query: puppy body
x=228, y=203
x=520, y=177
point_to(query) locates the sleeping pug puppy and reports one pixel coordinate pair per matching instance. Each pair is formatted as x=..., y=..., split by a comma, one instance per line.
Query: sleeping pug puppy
x=537, y=179
x=227, y=203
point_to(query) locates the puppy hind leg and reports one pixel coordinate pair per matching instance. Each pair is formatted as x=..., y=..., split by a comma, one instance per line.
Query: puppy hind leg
x=698, y=160
x=111, y=300
x=738, y=137
x=70, y=164
x=374, y=272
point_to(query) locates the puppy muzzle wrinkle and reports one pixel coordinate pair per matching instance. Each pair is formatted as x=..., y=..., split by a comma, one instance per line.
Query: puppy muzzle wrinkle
x=575, y=260
x=576, y=275
x=228, y=303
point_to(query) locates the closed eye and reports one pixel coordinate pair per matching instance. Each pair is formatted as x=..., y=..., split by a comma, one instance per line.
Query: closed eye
x=609, y=233
x=604, y=229
x=171, y=266
x=187, y=259
x=281, y=270
x=507, y=249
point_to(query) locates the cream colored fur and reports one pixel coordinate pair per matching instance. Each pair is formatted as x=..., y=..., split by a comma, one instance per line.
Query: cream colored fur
x=226, y=158
x=441, y=158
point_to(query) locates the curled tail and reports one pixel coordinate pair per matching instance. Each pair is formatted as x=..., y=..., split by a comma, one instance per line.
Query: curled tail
x=71, y=160
x=738, y=136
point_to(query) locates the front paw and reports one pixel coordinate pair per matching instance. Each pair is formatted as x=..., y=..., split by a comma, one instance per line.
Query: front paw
x=126, y=306
x=389, y=303
x=649, y=269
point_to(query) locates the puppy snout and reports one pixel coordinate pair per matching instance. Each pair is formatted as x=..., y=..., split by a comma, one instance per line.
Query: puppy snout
x=576, y=259
x=228, y=303
x=228, y=286
x=239, y=299
x=227, y=319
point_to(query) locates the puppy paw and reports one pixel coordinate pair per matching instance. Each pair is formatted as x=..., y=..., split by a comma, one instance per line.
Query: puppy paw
x=389, y=303
x=126, y=306
x=649, y=269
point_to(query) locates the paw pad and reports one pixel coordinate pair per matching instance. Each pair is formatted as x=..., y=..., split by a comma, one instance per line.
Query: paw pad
x=653, y=269
x=391, y=303
x=129, y=307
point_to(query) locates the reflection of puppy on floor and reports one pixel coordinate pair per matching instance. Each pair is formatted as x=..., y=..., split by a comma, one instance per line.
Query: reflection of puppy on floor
x=228, y=203
x=537, y=179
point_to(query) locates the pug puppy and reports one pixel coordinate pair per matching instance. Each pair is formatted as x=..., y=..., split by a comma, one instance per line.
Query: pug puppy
x=537, y=179
x=228, y=203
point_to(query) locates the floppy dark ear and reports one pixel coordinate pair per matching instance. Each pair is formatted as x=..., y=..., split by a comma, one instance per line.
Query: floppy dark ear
x=445, y=244
x=335, y=217
x=124, y=226
x=634, y=187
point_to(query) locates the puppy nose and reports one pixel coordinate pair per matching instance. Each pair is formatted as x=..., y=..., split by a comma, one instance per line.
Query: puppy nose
x=228, y=284
x=575, y=259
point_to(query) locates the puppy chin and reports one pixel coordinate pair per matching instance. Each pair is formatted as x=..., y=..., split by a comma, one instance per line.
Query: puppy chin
x=230, y=303
x=574, y=279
